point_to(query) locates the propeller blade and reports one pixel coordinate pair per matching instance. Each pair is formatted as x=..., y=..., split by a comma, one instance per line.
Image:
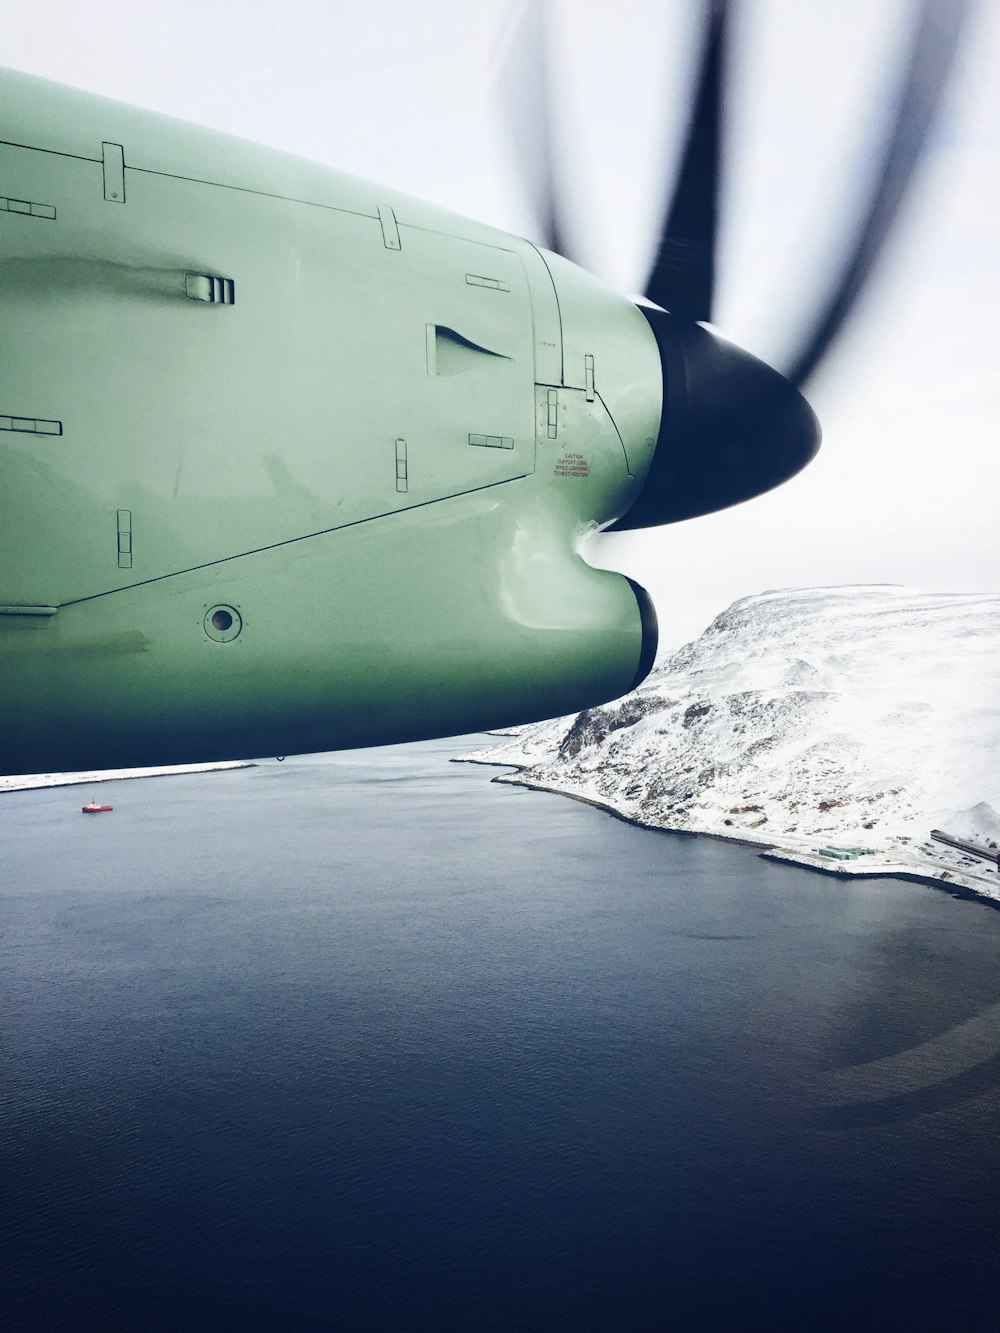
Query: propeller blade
x=526, y=92
x=682, y=279
x=932, y=55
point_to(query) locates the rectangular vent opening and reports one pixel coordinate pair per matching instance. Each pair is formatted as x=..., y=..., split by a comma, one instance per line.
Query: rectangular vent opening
x=124, y=539
x=113, y=161
x=390, y=228
x=31, y=425
x=211, y=288
x=492, y=441
x=552, y=414
x=480, y=280
x=27, y=209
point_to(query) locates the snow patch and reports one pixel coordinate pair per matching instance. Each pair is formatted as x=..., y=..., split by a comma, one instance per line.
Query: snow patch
x=801, y=717
x=30, y=781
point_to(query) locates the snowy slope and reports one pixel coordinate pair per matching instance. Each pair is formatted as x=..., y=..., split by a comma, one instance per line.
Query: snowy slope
x=29, y=781
x=855, y=714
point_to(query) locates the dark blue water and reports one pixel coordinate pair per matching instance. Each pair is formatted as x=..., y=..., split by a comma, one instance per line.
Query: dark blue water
x=368, y=1042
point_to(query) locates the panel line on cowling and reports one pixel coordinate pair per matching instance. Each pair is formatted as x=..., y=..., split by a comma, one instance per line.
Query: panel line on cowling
x=55, y=152
x=555, y=293
x=597, y=395
x=312, y=203
x=247, y=189
x=291, y=541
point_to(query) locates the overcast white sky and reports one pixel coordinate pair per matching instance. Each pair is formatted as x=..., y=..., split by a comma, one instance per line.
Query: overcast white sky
x=905, y=488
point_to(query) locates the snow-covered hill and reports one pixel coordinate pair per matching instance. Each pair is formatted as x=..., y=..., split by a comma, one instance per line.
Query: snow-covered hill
x=862, y=715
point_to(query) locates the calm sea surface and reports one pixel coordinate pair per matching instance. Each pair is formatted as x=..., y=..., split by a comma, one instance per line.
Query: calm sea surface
x=364, y=1041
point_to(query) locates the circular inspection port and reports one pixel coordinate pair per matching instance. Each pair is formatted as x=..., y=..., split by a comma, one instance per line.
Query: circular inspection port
x=223, y=623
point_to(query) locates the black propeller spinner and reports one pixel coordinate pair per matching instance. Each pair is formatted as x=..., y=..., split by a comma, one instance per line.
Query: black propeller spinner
x=732, y=427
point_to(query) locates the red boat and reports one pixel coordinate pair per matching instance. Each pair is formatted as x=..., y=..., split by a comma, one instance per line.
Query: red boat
x=93, y=808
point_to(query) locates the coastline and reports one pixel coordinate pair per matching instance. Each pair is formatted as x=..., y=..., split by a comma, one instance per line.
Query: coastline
x=918, y=870
x=35, y=781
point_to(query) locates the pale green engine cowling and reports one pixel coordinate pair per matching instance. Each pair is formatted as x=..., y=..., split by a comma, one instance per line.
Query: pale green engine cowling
x=367, y=433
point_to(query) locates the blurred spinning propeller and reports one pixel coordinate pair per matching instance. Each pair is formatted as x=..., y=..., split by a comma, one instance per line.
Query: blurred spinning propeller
x=732, y=427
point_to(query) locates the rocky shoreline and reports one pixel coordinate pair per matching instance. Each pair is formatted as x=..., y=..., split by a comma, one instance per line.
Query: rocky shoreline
x=833, y=727
x=939, y=870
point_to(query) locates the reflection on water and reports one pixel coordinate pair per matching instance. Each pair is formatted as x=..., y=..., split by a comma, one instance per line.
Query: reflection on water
x=366, y=1041
x=883, y=1013
x=940, y=1095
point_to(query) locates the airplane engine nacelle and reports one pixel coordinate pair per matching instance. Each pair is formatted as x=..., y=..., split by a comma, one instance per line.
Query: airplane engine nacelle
x=455, y=618
x=290, y=462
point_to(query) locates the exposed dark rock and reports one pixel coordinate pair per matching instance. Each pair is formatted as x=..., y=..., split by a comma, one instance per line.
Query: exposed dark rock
x=695, y=711
x=595, y=725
